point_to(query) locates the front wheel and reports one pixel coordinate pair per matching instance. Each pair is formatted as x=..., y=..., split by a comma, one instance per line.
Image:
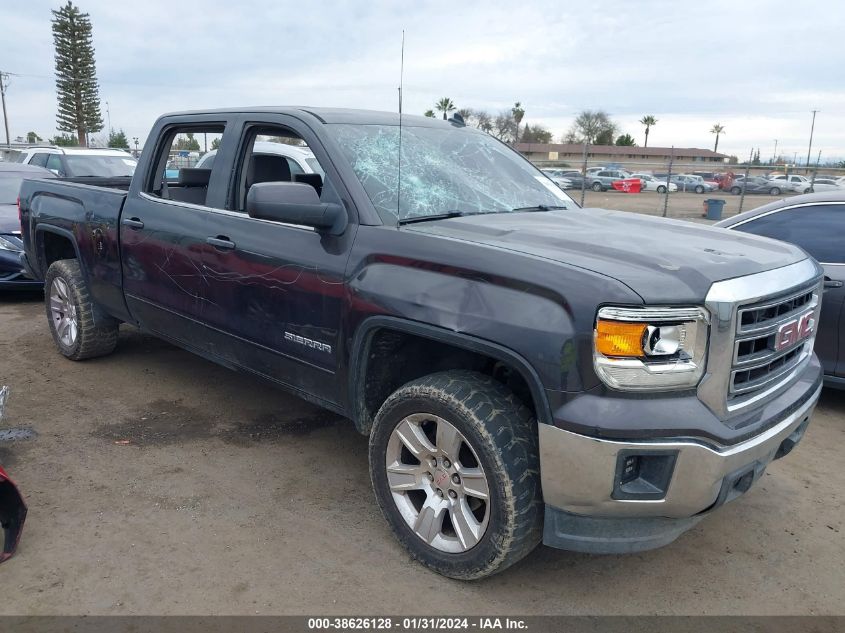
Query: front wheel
x=661, y=189
x=597, y=186
x=79, y=328
x=775, y=191
x=736, y=191
x=699, y=189
x=455, y=469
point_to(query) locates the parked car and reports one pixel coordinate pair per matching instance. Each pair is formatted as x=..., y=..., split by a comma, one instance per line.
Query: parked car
x=80, y=162
x=757, y=184
x=689, y=182
x=555, y=175
x=577, y=180
x=12, y=274
x=525, y=369
x=604, y=179
x=793, y=182
x=650, y=183
x=12, y=505
x=815, y=222
x=826, y=184
x=300, y=160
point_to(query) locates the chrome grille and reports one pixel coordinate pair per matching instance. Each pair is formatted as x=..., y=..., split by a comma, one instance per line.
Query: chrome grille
x=757, y=364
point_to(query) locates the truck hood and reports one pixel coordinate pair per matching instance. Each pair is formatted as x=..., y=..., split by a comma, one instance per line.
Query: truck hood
x=662, y=260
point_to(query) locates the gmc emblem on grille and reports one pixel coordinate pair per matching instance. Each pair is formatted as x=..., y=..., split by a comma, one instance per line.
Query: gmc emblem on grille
x=794, y=331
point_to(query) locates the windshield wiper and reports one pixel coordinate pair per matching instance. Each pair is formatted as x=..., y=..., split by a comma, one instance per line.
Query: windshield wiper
x=539, y=207
x=437, y=216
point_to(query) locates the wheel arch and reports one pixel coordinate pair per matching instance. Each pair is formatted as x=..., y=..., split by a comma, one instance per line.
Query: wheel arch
x=366, y=339
x=53, y=243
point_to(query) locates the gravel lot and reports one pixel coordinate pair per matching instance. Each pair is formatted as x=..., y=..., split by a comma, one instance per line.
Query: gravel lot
x=158, y=482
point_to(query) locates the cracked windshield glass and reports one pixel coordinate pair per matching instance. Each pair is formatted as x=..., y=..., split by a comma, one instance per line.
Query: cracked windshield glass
x=444, y=170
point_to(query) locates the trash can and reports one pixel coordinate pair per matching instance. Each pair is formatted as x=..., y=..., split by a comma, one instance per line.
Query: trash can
x=713, y=208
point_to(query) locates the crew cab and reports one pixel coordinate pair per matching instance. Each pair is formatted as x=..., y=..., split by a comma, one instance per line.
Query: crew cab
x=526, y=370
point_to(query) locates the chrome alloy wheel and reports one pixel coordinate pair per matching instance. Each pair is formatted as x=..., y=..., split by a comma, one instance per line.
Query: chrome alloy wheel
x=63, y=312
x=438, y=483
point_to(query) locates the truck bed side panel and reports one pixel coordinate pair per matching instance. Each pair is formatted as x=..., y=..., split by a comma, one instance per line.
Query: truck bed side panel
x=89, y=215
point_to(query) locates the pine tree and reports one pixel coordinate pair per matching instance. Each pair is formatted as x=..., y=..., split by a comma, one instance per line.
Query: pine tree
x=76, y=73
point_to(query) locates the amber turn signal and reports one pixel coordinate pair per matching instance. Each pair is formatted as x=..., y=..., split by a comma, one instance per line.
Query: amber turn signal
x=620, y=338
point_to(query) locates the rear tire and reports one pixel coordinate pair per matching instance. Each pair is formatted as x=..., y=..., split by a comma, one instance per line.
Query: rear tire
x=79, y=328
x=661, y=189
x=775, y=191
x=419, y=473
x=597, y=186
x=736, y=191
x=699, y=189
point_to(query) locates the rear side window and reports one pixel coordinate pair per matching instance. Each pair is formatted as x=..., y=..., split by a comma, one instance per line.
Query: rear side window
x=54, y=162
x=810, y=228
x=39, y=160
x=176, y=175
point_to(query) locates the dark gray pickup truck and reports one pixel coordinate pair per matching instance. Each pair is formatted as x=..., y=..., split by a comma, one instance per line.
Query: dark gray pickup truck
x=526, y=370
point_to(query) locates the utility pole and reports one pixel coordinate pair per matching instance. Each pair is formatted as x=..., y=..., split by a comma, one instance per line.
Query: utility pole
x=810, y=148
x=4, y=77
x=108, y=117
x=775, y=157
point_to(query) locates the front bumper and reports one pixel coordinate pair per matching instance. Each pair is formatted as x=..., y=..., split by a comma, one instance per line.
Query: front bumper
x=13, y=273
x=587, y=509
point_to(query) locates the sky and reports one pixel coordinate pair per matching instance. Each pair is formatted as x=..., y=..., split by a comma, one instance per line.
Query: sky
x=756, y=67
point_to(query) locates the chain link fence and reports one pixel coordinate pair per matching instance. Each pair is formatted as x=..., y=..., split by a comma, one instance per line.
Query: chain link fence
x=682, y=189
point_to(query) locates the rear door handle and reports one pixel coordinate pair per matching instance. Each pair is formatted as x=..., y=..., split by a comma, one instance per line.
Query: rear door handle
x=133, y=223
x=221, y=242
x=832, y=283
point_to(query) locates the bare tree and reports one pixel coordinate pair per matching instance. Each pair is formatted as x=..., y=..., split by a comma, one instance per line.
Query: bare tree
x=593, y=127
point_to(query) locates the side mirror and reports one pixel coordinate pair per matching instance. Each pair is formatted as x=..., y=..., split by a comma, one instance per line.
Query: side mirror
x=294, y=203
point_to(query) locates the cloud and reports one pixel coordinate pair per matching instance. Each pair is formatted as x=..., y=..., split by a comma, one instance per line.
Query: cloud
x=756, y=67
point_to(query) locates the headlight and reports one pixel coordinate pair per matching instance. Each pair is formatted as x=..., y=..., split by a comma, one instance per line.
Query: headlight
x=8, y=245
x=650, y=349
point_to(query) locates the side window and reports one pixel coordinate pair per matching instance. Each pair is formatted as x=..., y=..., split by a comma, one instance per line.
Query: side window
x=275, y=154
x=39, y=160
x=807, y=227
x=54, y=162
x=176, y=175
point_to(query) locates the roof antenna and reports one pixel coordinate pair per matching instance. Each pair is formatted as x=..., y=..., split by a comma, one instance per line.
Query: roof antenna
x=399, y=168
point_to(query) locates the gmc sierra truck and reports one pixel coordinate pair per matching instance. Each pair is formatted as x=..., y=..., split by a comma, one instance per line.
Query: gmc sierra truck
x=526, y=370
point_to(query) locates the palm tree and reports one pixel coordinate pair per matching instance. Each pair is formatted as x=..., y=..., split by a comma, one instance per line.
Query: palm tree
x=717, y=129
x=648, y=120
x=445, y=105
x=518, y=112
x=429, y=114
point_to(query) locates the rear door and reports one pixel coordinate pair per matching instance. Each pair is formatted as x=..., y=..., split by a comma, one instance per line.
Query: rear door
x=276, y=292
x=817, y=229
x=163, y=231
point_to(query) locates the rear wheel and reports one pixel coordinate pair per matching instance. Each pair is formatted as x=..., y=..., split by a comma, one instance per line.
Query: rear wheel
x=699, y=189
x=597, y=186
x=775, y=191
x=79, y=328
x=736, y=191
x=661, y=189
x=455, y=470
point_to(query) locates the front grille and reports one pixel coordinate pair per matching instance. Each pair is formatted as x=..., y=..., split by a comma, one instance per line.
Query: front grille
x=757, y=364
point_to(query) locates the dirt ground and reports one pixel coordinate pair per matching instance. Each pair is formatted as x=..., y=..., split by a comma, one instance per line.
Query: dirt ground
x=686, y=205
x=159, y=483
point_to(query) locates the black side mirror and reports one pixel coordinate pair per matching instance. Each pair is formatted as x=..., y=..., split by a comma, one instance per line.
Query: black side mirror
x=294, y=203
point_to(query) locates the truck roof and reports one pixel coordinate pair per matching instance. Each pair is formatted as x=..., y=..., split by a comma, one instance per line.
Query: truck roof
x=329, y=115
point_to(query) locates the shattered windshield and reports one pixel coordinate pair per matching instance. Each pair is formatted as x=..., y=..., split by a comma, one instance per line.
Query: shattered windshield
x=444, y=170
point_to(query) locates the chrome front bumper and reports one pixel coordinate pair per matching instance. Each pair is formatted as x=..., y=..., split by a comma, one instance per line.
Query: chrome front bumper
x=579, y=473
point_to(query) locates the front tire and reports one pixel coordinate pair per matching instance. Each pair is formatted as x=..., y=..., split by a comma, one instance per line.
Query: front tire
x=455, y=469
x=661, y=189
x=736, y=191
x=597, y=186
x=775, y=191
x=699, y=189
x=80, y=330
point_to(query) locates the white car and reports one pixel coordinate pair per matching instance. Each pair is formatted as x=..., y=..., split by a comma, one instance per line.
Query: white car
x=650, y=183
x=827, y=184
x=793, y=182
x=301, y=160
x=80, y=162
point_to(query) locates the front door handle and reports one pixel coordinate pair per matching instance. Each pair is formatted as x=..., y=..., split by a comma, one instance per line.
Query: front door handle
x=221, y=242
x=133, y=223
x=832, y=283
